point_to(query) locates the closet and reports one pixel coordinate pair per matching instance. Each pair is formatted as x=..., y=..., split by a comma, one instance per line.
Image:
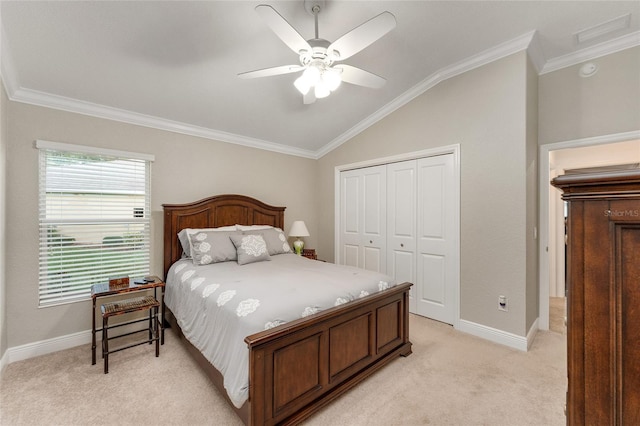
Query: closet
x=401, y=219
x=603, y=296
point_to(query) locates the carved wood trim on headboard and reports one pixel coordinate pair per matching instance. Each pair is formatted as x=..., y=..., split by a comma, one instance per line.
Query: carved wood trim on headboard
x=212, y=212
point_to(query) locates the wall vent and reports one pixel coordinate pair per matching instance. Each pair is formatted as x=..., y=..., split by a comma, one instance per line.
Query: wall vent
x=615, y=24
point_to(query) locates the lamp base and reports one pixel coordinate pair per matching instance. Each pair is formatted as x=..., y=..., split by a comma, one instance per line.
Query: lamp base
x=298, y=245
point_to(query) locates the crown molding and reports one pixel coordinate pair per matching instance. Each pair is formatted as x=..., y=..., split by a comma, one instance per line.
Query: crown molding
x=33, y=97
x=601, y=49
x=498, y=52
x=528, y=41
x=48, y=100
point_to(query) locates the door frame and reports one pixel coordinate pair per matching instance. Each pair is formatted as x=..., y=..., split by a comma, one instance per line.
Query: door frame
x=431, y=152
x=543, y=212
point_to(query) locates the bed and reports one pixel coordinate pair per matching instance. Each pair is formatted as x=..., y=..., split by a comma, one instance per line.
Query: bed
x=335, y=349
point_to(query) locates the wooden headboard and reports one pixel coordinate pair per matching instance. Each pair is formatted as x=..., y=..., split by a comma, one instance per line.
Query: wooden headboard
x=212, y=212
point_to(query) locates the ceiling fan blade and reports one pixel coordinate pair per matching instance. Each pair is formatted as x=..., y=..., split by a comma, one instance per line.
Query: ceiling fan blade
x=282, y=28
x=360, y=77
x=309, y=98
x=363, y=35
x=267, y=72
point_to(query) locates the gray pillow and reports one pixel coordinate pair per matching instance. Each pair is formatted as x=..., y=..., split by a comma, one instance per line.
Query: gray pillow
x=274, y=237
x=183, y=236
x=251, y=248
x=212, y=247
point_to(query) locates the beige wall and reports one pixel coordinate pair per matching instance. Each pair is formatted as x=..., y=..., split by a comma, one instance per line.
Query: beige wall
x=531, y=231
x=3, y=215
x=572, y=107
x=185, y=169
x=483, y=110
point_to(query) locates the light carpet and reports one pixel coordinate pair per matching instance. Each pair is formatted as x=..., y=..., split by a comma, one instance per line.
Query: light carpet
x=451, y=378
x=557, y=312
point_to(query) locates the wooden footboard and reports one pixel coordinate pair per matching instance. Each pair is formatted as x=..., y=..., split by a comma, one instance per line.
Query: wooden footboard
x=300, y=367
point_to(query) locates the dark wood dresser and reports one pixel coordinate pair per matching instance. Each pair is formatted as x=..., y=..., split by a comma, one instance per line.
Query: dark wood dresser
x=603, y=296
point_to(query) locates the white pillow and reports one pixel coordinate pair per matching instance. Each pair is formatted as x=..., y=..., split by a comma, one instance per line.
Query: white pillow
x=183, y=236
x=252, y=227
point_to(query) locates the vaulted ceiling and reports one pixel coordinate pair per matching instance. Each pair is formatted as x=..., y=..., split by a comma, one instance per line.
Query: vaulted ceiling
x=174, y=65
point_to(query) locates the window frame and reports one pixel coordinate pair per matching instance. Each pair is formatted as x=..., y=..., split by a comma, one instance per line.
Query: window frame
x=67, y=296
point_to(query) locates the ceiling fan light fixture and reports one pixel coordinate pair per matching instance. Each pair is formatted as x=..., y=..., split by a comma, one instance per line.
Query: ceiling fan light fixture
x=321, y=90
x=332, y=78
x=311, y=75
x=309, y=78
x=302, y=85
x=318, y=55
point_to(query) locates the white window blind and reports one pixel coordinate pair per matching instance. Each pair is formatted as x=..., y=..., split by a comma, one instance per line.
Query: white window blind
x=94, y=219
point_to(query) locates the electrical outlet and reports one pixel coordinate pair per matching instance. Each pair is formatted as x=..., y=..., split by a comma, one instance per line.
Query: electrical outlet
x=502, y=304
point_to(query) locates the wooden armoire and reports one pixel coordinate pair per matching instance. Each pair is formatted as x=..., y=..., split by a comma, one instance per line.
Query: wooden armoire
x=603, y=296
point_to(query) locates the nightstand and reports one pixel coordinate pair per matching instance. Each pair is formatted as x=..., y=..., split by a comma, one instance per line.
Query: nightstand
x=139, y=303
x=310, y=254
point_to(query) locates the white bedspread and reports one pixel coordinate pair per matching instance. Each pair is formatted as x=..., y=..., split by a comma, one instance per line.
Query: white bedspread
x=218, y=305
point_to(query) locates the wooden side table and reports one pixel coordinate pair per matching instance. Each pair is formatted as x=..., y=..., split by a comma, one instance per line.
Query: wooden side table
x=310, y=254
x=119, y=307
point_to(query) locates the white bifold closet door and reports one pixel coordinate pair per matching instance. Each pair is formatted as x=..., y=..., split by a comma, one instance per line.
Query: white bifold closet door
x=401, y=224
x=436, y=245
x=363, y=218
x=398, y=219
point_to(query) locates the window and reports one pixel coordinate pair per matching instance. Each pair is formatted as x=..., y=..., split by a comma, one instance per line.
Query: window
x=94, y=219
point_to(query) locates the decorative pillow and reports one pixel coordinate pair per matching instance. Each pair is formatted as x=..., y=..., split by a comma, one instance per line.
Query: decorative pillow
x=275, y=239
x=251, y=248
x=252, y=227
x=183, y=236
x=212, y=247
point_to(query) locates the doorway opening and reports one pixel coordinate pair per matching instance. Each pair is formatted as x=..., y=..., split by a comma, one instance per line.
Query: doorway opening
x=555, y=159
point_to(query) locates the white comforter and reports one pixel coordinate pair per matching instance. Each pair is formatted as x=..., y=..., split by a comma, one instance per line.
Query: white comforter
x=218, y=305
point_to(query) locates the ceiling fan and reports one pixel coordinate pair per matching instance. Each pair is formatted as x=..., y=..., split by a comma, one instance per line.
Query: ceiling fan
x=318, y=57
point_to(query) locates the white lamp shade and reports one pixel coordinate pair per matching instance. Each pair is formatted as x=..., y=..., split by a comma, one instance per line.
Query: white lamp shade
x=298, y=229
x=321, y=90
x=311, y=75
x=302, y=84
x=331, y=78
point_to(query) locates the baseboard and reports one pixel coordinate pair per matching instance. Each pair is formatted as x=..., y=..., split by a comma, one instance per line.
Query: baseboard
x=43, y=347
x=533, y=331
x=501, y=337
x=55, y=344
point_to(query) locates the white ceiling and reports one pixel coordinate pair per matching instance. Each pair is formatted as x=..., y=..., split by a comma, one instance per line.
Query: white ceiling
x=174, y=65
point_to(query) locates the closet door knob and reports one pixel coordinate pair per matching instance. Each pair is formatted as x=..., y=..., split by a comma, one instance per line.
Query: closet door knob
x=370, y=241
x=401, y=245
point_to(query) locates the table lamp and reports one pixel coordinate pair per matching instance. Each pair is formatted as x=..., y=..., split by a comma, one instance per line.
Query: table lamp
x=298, y=229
